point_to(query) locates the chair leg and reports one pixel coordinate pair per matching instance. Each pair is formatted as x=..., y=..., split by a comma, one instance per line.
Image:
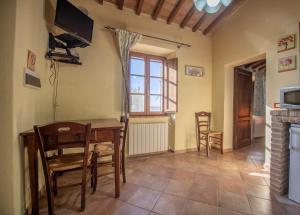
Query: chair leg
x=222, y=143
x=50, y=198
x=113, y=158
x=83, y=190
x=55, y=184
x=92, y=172
x=207, y=145
x=123, y=167
x=95, y=173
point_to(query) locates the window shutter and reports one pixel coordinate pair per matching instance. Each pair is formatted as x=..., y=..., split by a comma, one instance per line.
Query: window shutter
x=171, y=86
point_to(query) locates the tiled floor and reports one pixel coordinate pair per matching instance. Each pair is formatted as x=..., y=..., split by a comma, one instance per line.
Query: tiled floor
x=188, y=183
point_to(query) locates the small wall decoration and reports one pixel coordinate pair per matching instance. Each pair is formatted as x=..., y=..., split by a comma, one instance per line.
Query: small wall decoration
x=287, y=64
x=287, y=43
x=31, y=59
x=31, y=79
x=194, y=71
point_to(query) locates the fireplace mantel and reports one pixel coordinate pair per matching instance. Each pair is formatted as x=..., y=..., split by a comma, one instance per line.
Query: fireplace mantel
x=279, y=171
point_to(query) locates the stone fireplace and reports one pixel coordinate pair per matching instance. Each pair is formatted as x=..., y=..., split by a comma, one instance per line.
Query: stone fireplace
x=279, y=171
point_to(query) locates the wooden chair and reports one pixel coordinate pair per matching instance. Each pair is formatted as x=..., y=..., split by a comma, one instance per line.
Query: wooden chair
x=205, y=134
x=102, y=150
x=52, y=140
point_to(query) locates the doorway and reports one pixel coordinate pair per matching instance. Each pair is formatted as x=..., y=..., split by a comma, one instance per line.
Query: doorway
x=249, y=103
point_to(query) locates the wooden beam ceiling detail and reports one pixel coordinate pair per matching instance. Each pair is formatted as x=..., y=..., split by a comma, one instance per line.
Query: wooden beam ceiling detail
x=231, y=9
x=175, y=11
x=263, y=63
x=120, y=4
x=200, y=22
x=157, y=9
x=139, y=7
x=253, y=63
x=262, y=67
x=187, y=17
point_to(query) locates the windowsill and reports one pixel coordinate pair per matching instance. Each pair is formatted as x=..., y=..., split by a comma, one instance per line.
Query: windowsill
x=147, y=116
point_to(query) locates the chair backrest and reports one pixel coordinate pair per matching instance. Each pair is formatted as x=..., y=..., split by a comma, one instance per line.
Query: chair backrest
x=203, y=121
x=124, y=120
x=59, y=136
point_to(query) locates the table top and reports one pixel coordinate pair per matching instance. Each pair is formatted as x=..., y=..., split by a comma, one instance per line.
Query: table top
x=95, y=123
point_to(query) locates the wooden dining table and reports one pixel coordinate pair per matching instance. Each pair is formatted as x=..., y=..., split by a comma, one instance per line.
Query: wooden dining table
x=103, y=130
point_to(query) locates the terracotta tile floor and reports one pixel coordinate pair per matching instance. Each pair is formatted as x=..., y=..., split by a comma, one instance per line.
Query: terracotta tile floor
x=187, y=183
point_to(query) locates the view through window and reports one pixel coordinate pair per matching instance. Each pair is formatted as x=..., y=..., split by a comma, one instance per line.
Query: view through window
x=150, y=85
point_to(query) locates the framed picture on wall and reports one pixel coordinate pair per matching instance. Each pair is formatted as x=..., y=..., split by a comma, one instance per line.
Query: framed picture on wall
x=286, y=64
x=31, y=60
x=287, y=43
x=195, y=71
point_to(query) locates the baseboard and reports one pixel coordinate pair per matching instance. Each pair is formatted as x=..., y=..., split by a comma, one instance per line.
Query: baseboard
x=227, y=150
x=180, y=151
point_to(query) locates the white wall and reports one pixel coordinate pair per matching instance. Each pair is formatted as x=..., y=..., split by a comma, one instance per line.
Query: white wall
x=7, y=23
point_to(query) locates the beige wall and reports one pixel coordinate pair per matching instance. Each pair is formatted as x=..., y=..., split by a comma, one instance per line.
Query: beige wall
x=93, y=90
x=22, y=107
x=251, y=32
x=7, y=23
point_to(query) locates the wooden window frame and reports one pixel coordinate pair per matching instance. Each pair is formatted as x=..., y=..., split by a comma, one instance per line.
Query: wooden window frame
x=167, y=97
x=147, y=58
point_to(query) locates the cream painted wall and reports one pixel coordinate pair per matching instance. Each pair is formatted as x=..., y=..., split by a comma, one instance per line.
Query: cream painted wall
x=7, y=23
x=93, y=90
x=252, y=31
x=30, y=106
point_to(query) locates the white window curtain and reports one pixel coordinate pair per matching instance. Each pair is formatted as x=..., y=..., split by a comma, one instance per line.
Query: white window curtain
x=259, y=93
x=126, y=40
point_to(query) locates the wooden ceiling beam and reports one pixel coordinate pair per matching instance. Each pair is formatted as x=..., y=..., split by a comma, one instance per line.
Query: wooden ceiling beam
x=230, y=10
x=175, y=11
x=139, y=7
x=157, y=9
x=253, y=63
x=120, y=4
x=200, y=22
x=263, y=63
x=187, y=17
x=262, y=67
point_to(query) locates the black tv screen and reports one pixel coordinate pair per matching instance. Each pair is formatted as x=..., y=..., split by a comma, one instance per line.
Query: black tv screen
x=71, y=19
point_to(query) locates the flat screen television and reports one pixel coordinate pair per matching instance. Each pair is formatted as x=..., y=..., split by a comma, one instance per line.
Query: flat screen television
x=74, y=21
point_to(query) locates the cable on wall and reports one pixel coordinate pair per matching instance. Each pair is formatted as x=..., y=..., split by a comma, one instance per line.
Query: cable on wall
x=53, y=80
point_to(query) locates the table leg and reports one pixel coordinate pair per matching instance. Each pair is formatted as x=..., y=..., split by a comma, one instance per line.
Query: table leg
x=117, y=162
x=33, y=173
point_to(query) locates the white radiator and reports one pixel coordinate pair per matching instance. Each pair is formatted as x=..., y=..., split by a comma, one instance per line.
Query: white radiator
x=148, y=138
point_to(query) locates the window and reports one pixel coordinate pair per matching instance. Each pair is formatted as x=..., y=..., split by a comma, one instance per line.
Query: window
x=153, y=85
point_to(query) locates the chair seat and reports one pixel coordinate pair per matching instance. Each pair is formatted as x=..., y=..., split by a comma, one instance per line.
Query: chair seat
x=67, y=162
x=104, y=149
x=211, y=133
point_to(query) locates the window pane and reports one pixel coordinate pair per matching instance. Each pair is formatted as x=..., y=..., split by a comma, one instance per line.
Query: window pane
x=172, y=91
x=137, y=103
x=137, y=66
x=155, y=86
x=156, y=68
x=172, y=75
x=155, y=104
x=137, y=84
x=172, y=106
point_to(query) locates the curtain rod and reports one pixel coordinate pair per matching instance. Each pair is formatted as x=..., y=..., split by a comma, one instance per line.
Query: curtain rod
x=179, y=44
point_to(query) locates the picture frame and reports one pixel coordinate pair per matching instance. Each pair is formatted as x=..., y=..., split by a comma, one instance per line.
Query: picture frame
x=286, y=43
x=286, y=64
x=195, y=71
x=31, y=60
